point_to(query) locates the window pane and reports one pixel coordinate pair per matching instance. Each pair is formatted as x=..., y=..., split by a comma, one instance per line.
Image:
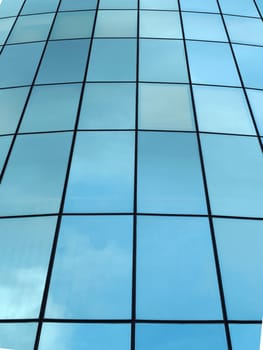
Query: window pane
x=104, y=244
x=5, y=142
x=11, y=105
x=159, y=4
x=113, y=59
x=70, y=5
x=162, y=60
x=222, y=110
x=34, y=177
x=10, y=8
x=245, y=336
x=108, y=106
x=116, y=23
x=165, y=106
x=85, y=336
x=252, y=73
x=234, y=166
x=26, y=246
x=180, y=337
x=18, y=335
x=240, y=254
x=118, y=4
x=5, y=26
x=19, y=72
x=212, y=63
x=244, y=7
x=255, y=99
x=58, y=114
x=31, y=28
x=160, y=24
x=39, y=6
x=169, y=174
x=172, y=252
x=203, y=27
x=200, y=6
x=101, y=178
x=69, y=25
x=64, y=61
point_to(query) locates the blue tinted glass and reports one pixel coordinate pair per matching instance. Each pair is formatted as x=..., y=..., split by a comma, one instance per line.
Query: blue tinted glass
x=159, y=4
x=116, y=24
x=58, y=114
x=34, y=178
x=255, y=99
x=104, y=244
x=200, y=6
x=165, y=106
x=160, y=24
x=85, y=336
x=245, y=336
x=101, y=178
x=108, y=106
x=222, y=110
x=18, y=335
x=162, y=60
x=180, y=337
x=69, y=5
x=39, y=6
x=174, y=252
x=118, y=4
x=113, y=59
x=5, y=26
x=169, y=174
x=19, y=72
x=10, y=8
x=252, y=73
x=239, y=245
x=198, y=26
x=5, y=142
x=212, y=63
x=243, y=7
x=26, y=245
x=234, y=165
x=64, y=61
x=11, y=105
x=23, y=32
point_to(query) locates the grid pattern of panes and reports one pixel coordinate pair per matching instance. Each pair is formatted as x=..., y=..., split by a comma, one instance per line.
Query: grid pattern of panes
x=131, y=195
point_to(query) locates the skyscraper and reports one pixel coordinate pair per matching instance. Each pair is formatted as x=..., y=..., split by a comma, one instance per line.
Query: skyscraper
x=131, y=174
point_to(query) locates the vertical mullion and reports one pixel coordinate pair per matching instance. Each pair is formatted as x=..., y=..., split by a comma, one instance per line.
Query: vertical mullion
x=134, y=262
x=61, y=208
x=209, y=211
x=258, y=9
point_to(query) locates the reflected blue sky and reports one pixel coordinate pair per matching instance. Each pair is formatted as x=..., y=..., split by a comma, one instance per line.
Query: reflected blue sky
x=17, y=336
x=245, y=336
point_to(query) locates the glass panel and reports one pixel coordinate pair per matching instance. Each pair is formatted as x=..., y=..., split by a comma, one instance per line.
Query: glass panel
x=234, y=168
x=116, y=23
x=244, y=7
x=34, y=177
x=199, y=6
x=19, y=72
x=69, y=25
x=160, y=24
x=11, y=105
x=10, y=8
x=5, y=26
x=64, y=61
x=118, y=4
x=240, y=254
x=169, y=174
x=245, y=30
x=31, y=28
x=245, y=336
x=113, y=59
x=222, y=110
x=212, y=63
x=58, y=114
x=255, y=99
x=203, y=27
x=70, y=5
x=159, y=4
x=165, y=106
x=104, y=244
x=85, y=336
x=180, y=337
x=5, y=142
x=108, y=106
x=172, y=252
x=17, y=335
x=39, y=6
x=162, y=60
x=26, y=245
x=101, y=178
x=252, y=73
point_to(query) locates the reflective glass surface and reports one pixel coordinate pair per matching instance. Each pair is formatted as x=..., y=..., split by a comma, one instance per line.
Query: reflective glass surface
x=18, y=335
x=5, y=26
x=199, y=6
x=39, y=6
x=255, y=99
x=245, y=336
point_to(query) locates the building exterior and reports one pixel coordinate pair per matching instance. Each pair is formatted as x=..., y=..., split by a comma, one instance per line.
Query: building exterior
x=131, y=168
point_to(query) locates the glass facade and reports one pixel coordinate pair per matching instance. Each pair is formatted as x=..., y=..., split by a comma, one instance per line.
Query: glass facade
x=131, y=174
